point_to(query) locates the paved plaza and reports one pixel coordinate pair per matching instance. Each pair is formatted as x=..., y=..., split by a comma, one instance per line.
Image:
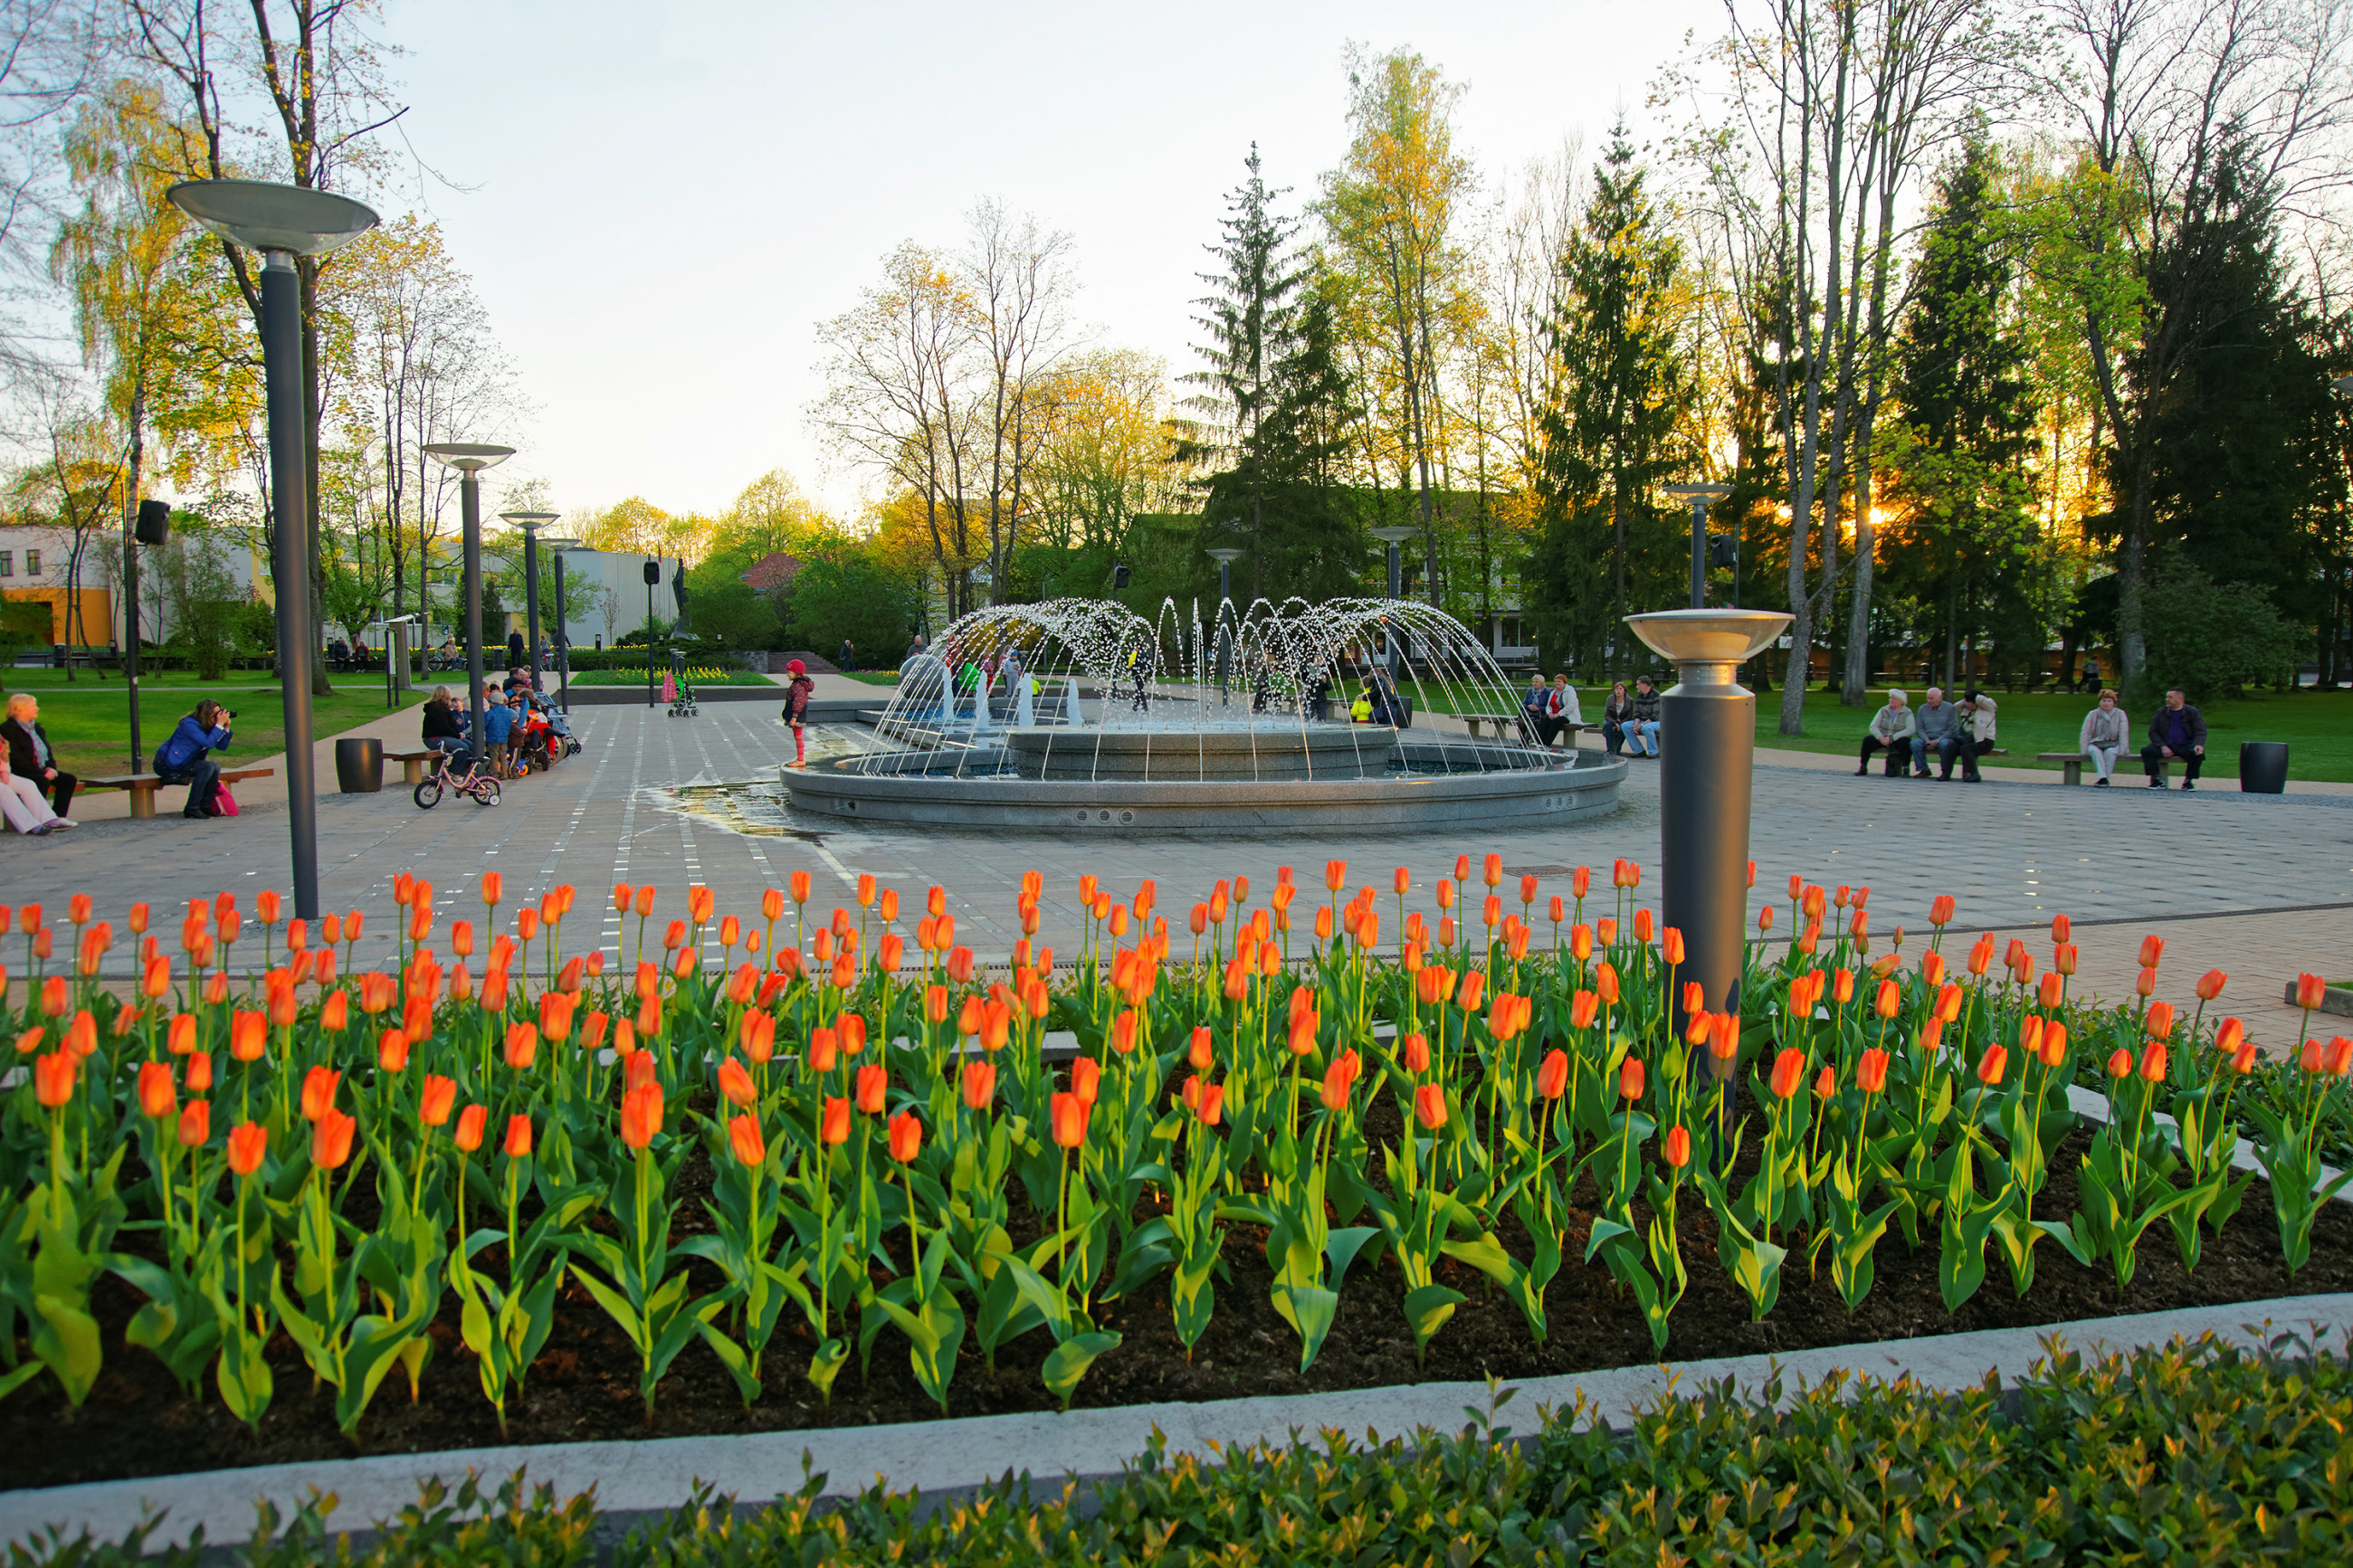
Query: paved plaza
x=2259, y=885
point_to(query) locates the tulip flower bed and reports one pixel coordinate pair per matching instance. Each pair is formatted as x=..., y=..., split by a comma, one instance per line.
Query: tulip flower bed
x=542, y=1195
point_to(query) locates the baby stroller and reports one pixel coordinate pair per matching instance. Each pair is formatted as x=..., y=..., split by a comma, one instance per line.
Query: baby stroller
x=559, y=724
x=681, y=692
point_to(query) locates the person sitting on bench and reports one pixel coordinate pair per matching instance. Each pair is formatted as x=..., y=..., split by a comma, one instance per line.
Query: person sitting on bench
x=2104, y=730
x=1937, y=733
x=1891, y=731
x=182, y=759
x=1978, y=719
x=29, y=756
x=441, y=730
x=2178, y=730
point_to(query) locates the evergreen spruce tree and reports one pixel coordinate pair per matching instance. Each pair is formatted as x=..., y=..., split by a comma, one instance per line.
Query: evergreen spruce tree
x=1607, y=547
x=1960, y=452
x=1272, y=409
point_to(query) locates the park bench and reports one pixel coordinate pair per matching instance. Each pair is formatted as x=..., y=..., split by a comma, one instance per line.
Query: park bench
x=1506, y=724
x=142, y=786
x=412, y=764
x=2070, y=764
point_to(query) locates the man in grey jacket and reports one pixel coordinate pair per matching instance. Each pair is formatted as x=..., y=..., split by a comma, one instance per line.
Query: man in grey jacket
x=1937, y=730
x=1891, y=731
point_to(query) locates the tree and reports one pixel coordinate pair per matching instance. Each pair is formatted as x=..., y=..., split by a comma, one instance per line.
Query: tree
x=1389, y=211
x=1018, y=280
x=1613, y=437
x=2164, y=93
x=1277, y=409
x=2214, y=639
x=846, y=590
x=1959, y=375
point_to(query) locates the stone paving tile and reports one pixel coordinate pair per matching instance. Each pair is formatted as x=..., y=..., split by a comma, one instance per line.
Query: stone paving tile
x=2012, y=854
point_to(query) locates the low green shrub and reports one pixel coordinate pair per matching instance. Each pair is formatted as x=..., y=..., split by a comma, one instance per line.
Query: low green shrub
x=2191, y=1454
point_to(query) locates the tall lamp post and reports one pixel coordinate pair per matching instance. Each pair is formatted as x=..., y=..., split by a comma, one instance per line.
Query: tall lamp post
x=556, y=547
x=653, y=577
x=1699, y=496
x=1393, y=535
x=1709, y=721
x=283, y=222
x=470, y=458
x=1225, y=559
x=530, y=523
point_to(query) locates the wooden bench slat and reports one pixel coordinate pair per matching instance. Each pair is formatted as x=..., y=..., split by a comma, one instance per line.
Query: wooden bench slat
x=142, y=787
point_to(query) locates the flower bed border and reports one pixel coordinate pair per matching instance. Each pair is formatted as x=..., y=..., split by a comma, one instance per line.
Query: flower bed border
x=951, y=1459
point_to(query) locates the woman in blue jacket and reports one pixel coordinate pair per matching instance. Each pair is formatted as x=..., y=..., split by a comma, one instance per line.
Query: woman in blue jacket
x=181, y=759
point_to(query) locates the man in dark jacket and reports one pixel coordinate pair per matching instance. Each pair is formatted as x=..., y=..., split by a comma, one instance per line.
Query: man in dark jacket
x=2178, y=730
x=29, y=756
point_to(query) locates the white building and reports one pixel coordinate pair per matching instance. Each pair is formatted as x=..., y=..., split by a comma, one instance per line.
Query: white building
x=38, y=566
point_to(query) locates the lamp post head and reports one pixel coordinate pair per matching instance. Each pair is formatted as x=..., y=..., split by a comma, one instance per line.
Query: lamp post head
x=1708, y=646
x=529, y=522
x=561, y=545
x=1225, y=557
x=262, y=216
x=1395, y=533
x=468, y=457
x=1696, y=492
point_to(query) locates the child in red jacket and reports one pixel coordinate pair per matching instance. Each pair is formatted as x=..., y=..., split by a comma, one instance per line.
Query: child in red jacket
x=796, y=702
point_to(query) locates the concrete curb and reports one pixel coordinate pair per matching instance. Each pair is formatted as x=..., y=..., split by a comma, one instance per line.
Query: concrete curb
x=952, y=1457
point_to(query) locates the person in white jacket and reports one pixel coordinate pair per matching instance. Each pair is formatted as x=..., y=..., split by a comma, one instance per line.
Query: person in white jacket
x=22, y=805
x=2107, y=729
x=1891, y=729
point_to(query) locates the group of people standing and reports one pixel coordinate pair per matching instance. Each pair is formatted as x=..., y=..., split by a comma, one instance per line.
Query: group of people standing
x=510, y=713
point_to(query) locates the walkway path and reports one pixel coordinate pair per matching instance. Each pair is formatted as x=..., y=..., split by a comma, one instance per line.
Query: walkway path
x=2261, y=887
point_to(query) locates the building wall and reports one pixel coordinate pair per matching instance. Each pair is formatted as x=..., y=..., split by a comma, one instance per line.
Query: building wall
x=95, y=581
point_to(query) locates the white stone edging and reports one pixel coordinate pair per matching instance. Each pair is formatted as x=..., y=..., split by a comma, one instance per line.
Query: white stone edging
x=948, y=1457
x=2093, y=1106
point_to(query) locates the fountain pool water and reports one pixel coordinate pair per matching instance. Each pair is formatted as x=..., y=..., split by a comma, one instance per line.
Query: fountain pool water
x=1082, y=713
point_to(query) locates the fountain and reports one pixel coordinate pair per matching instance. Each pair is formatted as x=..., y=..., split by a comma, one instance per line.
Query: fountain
x=1081, y=712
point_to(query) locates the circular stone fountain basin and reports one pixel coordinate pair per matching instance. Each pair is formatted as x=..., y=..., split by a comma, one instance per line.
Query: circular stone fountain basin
x=1330, y=752
x=915, y=796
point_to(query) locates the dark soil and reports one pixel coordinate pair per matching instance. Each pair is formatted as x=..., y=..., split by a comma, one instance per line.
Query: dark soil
x=136, y=1422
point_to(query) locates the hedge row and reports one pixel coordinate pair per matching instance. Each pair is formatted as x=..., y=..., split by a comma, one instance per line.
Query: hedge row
x=2195, y=1454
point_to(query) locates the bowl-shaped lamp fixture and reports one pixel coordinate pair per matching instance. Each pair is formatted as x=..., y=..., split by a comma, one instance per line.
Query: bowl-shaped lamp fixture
x=530, y=521
x=468, y=457
x=261, y=216
x=1708, y=646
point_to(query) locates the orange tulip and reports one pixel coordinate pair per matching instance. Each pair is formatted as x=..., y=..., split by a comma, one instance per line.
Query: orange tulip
x=2228, y=1037
x=330, y=1140
x=158, y=1096
x=1429, y=1106
x=1086, y=1078
x=2152, y=951
x=1552, y=1077
x=319, y=1093
x=518, y=1141
x=641, y=1115
x=522, y=1045
x=1992, y=1065
x=1890, y=1000
x=1415, y=1051
x=1070, y=1121
x=757, y=1035
x=468, y=1136
x=1871, y=1072
x=1472, y=987
x=246, y=1144
x=2120, y=1063
x=823, y=1046
x=2311, y=991
x=906, y=1136
x=1670, y=945
x=833, y=1126
x=1630, y=1078
x=735, y=1084
x=2210, y=984
x=1642, y=925
x=1788, y=1072
x=980, y=1085
x=1605, y=981
x=2152, y=1061
x=392, y=1050
x=2340, y=1059
x=434, y=1105
x=493, y=886
x=2062, y=960
x=1198, y=1055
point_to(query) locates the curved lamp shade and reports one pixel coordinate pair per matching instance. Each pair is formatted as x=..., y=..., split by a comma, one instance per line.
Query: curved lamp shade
x=1709, y=637
x=1224, y=555
x=468, y=457
x=1394, y=532
x=261, y=216
x=560, y=545
x=530, y=521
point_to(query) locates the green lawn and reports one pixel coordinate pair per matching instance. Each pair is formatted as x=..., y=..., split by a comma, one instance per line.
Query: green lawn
x=88, y=719
x=2317, y=725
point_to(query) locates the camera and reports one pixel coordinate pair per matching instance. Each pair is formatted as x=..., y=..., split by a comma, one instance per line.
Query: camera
x=232, y=714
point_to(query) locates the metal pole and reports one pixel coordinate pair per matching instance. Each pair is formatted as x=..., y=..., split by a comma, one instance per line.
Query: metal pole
x=131, y=625
x=1699, y=561
x=1224, y=597
x=1703, y=803
x=649, y=639
x=563, y=643
x=1390, y=631
x=530, y=599
x=470, y=502
x=281, y=356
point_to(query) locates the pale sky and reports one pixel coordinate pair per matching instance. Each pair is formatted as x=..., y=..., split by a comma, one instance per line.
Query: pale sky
x=657, y=203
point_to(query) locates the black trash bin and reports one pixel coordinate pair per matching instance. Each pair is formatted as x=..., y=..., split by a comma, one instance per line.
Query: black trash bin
x=2262, y=767
x=359, y=766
